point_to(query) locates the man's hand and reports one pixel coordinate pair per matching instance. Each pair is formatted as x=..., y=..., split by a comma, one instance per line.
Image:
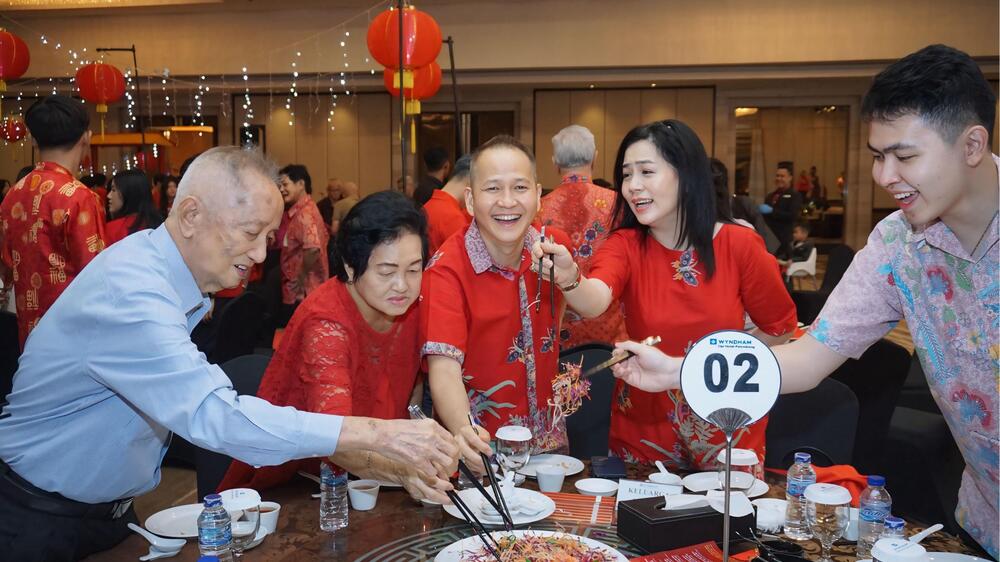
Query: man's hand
x=422, y=444
x=473, y=440
x=419, y=489
x=650, y=370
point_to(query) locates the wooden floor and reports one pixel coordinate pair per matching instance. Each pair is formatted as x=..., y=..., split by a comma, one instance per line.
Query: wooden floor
x=178, y=486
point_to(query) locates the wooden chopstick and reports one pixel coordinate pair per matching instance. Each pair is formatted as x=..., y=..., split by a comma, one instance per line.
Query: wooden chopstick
x=653, y=340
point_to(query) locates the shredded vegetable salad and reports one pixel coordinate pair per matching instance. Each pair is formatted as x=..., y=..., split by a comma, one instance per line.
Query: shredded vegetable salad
x=530, y=548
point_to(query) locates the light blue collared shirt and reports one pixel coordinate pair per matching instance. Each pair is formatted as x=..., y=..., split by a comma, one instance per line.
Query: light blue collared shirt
x=110, y=372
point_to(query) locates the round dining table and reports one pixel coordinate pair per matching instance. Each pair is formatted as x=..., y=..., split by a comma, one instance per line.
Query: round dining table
x=401, y=529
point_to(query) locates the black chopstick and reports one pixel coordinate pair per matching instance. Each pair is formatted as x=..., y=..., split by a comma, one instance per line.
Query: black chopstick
x=505, y=512
x=616, y=360
x=476, y=525
x=496, y=503
x=541, y=277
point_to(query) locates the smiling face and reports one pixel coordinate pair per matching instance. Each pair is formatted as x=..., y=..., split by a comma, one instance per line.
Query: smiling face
x=650, y=184
x=782, y=178
x=232, y=232
x=290, y=190
x=924, y=174
x=391, y=282
x=504, y=195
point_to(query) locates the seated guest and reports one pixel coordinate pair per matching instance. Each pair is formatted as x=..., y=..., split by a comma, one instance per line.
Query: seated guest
x=583, y=211
x=304, y=261
x=680, y=274
x=111, y=372
x=489, y=328
x=130, y=206
x=802, y=247
x=445, y=210
x=351, y=348
x=438, y=167
x=933, y=263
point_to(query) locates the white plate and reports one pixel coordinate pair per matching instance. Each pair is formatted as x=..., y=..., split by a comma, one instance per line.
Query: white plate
x=179, y=522
x=475, y=501
x=596, y=487
x=257, y=539
x=952, y=557
x=571, y=465
x=458, y=551
x=705, y=481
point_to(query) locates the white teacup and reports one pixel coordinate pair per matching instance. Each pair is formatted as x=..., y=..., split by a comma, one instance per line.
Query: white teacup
x=851, y=532
x=269, y=516
x=363, y=494
x=550, y=477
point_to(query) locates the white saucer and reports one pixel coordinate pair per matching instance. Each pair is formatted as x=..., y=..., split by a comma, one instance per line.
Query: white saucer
x=475, y=501
x=952, y=557
x=571, y=465
x=705, y=481
x=180, y=522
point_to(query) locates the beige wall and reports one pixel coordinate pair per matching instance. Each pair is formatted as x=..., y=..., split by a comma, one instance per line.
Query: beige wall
x=501, y=34
x=610, y=114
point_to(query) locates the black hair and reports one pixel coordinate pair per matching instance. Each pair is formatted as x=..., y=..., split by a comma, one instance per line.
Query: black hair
x=804, y=226
x=23, y=172
x=94, y=180
x=435, y=158
x=602, y=183
x=939, y=84
x=158, y=179
x=134, y=187
x=381, y=217
x=461, y=168
x=297, y=172
x=682, y=149
x=500, y=141
x=720, y=180
x=57, y=122
x=164, y=198
x=787, y=165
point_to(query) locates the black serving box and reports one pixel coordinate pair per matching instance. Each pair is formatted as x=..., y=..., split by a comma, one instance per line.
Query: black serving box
x=645, y=524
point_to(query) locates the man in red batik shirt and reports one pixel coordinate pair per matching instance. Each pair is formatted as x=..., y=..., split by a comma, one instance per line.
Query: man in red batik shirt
x=304, y=262
x=50, y=223
x=488, y=330
x=583, y=211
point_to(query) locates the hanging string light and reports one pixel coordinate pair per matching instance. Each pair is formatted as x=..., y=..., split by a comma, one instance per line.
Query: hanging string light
x=247, y=106
x=292, y=93
x=198, y=117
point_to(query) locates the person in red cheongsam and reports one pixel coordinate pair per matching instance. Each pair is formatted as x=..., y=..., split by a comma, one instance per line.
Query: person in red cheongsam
x=51, y=225
x=351, y=347
x=680, y=274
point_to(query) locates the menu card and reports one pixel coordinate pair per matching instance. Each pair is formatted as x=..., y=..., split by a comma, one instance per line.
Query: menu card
x=704, y=552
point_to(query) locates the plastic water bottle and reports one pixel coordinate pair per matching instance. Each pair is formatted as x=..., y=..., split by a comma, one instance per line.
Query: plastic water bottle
x=876, y=504
x=208, y=559
x=800, y=476
x=894, y=528
x=215, y=532
x=333, y=498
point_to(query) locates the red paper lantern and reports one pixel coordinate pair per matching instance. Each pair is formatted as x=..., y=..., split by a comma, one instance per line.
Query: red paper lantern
x=14, y=58
x=100, y=84
x=421, y=38
x=13, y=130
x=426, y=82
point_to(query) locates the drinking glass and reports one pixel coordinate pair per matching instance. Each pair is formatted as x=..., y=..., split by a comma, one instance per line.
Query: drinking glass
x=244, y=529
x=513, y=448
x=744, y=471
x=828, y=510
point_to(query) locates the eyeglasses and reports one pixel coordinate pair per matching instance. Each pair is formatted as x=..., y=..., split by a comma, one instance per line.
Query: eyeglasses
x=774, y=550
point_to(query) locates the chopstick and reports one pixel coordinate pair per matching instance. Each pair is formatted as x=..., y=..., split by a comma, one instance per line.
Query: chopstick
x=476, y=525
x=541, y=277
x=652, y=340
x=505, y=512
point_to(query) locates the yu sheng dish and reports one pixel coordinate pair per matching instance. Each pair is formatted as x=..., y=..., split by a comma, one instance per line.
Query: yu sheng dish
x=531, y=548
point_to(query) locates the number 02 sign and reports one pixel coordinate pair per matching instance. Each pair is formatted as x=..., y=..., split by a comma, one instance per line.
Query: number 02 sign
x=730, y=369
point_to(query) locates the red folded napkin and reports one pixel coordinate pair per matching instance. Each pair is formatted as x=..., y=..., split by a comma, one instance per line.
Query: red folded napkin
x=840, y=474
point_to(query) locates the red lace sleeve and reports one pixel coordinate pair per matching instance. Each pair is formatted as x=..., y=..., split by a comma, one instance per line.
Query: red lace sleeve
x=326, y=373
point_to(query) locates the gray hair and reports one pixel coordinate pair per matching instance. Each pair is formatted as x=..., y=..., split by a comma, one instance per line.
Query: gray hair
x=573, y=147
x=228, y=165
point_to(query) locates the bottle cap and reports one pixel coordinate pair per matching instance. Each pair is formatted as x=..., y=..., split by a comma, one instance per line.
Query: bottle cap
x=894, y=523
x=741, y=457
x=213, y=500
x=898, y=550
x=208, y=558
x=803, y=457
x=513, y=433
x=827, y=494
x=875, y=480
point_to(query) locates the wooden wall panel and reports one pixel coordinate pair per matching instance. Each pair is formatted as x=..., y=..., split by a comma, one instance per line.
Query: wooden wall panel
x=342, y=141
x=622, y=114
x=310, y=140
x=552, y=113
x=696, y=106
x=374, y=157
x=657, y=104
x=587, y=108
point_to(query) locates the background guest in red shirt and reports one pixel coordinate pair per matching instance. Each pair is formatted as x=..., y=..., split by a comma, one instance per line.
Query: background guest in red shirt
x=446, y=213
x=130, y=206
x=351, y=348
x=51, y=225
x=680, y=274
x=489, y=329
x=583, y=211
x=304, y=262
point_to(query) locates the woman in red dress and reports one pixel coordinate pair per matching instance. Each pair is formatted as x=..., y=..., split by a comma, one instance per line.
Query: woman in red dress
x=351, y=346
x=130, y=206
x=680, y=274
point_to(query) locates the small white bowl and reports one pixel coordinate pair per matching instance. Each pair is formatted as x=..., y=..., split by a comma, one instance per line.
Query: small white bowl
x=597, y=487
x=663, y=478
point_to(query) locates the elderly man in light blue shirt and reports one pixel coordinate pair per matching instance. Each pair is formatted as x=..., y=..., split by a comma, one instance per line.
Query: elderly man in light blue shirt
x=110, y=372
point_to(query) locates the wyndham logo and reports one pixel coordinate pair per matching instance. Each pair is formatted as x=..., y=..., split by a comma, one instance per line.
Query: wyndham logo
x=713, y=341
x=729, y=341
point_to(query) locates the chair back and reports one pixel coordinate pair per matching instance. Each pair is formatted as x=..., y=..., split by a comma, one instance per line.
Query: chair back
x=246, y=373
x=841, y=256
x=10, y=350
x=239, y=328
x=876, y=378
x=803, y=268
x=589, y=426
x=821, y=421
